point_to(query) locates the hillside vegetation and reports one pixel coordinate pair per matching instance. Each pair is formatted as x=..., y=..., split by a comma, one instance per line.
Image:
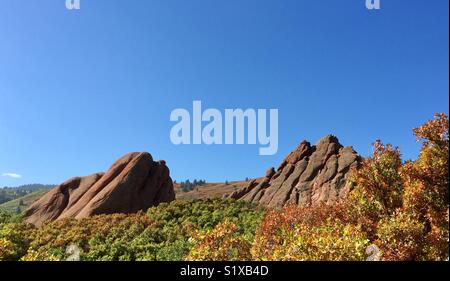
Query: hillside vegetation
x=11, y=193
x=21, y=203
x=210, y=190
x=400, y=209
x=165, y=232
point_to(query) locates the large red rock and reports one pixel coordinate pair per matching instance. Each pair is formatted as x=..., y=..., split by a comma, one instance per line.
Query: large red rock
x=309, y=175
x=134, y=182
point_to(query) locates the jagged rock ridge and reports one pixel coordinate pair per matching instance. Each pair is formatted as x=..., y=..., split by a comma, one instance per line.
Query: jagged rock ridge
x=134, y=182
x=307, y=176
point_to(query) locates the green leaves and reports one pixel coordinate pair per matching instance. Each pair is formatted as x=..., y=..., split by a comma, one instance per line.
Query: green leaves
x=164, y=233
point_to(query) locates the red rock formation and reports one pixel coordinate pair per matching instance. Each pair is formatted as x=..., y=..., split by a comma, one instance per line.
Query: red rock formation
x=134, y=182
x=307, y=176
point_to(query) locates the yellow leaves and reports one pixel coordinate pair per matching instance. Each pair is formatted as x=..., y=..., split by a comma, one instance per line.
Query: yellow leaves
x=379, y=179
x=400, y=236
x=6, y=248
x=329, y=241
x=316, y=233
x=33, y=255
x=14, y=240
x=220, y=244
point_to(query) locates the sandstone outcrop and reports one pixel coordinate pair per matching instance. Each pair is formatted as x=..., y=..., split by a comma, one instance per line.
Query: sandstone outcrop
x=134, y=182
x=309, y=175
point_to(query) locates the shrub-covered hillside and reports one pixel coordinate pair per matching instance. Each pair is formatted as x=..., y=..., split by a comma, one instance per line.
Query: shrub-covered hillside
x=165, y=232
x=399, y=208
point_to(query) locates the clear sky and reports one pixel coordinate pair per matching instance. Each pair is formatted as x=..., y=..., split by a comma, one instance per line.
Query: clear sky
x=78, y=89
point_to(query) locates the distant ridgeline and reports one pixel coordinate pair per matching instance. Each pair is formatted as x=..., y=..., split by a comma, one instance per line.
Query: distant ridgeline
x=11, y=193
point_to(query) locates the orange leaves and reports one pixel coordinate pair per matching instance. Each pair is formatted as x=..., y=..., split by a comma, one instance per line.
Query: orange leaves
x=434, y=132
x=401, y=207
x=427, y=185
x=430, y=171
x=407, y=204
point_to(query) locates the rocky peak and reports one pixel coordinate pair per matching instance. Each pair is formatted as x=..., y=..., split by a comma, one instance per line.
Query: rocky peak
x=307, y=176
x=134, y=182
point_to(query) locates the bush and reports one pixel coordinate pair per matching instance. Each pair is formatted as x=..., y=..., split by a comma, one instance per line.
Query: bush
x=302, y=233
x=401, y=207
x=427, y=186
x=103, y=237
x=164, y=233
x=223, y=243
x=400, y=237
x=330, y=241
x=380, y=179
x=14, y=240
x=8, y=217
x=405, y=206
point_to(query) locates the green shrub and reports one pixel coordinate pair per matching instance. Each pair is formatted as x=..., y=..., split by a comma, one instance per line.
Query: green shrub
x=164, y=233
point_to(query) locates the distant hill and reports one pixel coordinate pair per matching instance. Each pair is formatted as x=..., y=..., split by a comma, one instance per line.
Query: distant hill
x=11, y=193
x=210, y=190
x=18, y=205
x=29, y=187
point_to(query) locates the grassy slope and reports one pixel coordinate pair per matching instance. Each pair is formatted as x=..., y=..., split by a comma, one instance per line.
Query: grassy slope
x=210, y=190
x=11, y=206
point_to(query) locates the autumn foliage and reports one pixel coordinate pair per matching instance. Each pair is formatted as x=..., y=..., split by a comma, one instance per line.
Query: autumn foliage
x=166, y=232
x=223, y=243
x=302, y=233
x=400, y=208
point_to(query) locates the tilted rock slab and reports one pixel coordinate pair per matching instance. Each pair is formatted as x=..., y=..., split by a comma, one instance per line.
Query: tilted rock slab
x=134, y=182
x=309, y=175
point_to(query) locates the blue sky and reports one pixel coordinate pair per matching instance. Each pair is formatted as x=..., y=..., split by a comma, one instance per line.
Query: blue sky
x=78, y=89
